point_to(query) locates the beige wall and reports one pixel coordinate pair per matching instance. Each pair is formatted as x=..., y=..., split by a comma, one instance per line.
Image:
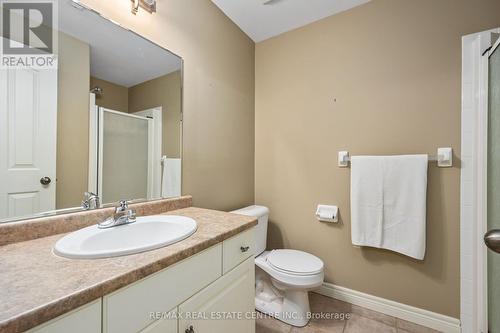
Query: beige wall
x=164, y=91
x=383, y=78
x=114, y=96
x=72, y=121
x=218, y=94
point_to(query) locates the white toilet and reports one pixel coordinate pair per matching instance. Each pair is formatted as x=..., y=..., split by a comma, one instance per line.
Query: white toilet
x=282, y=277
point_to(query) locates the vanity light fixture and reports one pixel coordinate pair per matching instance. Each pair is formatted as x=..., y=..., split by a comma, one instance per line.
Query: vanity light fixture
x=148, y=5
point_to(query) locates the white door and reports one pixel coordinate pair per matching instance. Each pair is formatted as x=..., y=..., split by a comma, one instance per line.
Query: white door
x=492, y=238
x=28, y=124
x=224, y=306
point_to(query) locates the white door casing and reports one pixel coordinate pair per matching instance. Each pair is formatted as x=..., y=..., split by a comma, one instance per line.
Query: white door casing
x=93, y=144
x=28, y=133
x=473, y=182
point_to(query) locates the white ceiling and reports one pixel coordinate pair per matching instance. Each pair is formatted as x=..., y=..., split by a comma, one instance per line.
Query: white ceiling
x=262, y=21
x=116, y=55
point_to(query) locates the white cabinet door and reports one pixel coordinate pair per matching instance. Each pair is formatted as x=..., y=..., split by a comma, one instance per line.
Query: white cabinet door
x=231, y=296
x=85, y=319
x=28, y=124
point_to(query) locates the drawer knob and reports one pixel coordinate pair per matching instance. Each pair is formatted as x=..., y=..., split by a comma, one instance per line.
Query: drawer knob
x=244, y=248
x=190, y=329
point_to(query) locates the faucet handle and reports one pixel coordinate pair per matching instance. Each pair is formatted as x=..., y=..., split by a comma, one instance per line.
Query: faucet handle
x=131, y=215
x=90, y=201
x=85, y=205
x=123, y=206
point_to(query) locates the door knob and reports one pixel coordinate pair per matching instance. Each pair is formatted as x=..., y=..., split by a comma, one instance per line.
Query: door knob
x=45, y=180
x=492, y=240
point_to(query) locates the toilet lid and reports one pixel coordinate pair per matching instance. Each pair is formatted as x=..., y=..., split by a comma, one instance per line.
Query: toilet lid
x=295, y=262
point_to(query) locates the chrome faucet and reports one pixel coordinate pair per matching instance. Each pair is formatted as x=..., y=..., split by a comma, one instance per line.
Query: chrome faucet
x=123, y=215
x=90, y=201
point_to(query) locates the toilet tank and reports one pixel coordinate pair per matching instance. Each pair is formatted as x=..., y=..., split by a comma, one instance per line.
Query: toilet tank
x=262, y=215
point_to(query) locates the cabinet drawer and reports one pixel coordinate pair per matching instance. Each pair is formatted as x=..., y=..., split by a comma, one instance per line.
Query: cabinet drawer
x=131, y=309
x=238, y=248
x=85, y=319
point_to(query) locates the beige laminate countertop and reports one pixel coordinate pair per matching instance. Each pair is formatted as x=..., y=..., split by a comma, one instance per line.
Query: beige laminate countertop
x=36, y=285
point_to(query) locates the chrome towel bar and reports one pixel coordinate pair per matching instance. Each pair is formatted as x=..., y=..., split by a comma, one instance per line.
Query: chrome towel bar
x=444, y=158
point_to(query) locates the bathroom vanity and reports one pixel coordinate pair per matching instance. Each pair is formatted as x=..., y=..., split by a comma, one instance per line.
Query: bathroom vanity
x=204, y=283
x=195, y=293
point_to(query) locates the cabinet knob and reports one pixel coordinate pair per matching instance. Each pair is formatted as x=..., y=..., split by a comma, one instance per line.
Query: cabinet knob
x=244, y=248
x=190, y=329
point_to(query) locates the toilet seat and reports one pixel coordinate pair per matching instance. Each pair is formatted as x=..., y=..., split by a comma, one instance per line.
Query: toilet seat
x=287, y=276
x=295, y=262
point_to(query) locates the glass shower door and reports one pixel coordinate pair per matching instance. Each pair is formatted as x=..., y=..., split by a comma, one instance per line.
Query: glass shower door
x=492, y=238
x=124, y=156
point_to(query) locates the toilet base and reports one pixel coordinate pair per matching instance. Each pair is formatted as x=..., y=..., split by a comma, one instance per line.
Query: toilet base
x=289, y=306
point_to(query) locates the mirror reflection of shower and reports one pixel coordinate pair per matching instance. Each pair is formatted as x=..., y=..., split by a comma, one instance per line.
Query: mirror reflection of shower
x=97, y=91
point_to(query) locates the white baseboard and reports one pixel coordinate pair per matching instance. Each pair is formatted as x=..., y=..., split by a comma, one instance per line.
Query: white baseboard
x=418, y=316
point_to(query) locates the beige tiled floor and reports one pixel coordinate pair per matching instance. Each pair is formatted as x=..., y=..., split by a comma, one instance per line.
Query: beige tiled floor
x=360, y=320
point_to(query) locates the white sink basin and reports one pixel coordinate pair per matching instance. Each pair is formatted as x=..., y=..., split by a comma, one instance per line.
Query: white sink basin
x=147, y=233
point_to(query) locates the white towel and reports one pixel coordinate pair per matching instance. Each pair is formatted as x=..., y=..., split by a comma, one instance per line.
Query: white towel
x=171, y=178
x=388, y=202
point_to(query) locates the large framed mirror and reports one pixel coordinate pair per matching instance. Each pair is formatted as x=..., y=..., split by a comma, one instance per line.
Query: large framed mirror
x=104, y=125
